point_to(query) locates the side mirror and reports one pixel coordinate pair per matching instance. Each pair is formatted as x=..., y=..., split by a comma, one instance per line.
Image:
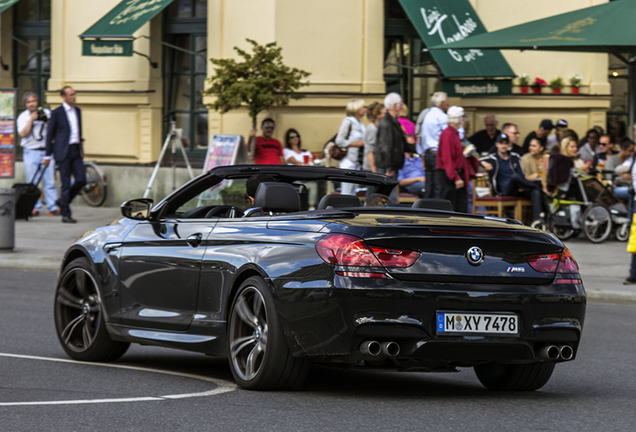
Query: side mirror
x=137, y=209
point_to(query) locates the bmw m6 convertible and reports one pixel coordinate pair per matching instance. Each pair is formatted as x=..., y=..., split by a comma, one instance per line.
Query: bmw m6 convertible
x=275, y=286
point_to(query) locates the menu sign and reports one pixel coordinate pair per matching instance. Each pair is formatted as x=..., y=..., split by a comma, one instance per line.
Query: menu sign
x=7, y=132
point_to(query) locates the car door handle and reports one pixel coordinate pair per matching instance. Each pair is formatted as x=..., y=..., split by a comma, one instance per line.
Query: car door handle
x=194, y=240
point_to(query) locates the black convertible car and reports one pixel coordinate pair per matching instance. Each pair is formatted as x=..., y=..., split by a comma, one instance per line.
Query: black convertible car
x=276, y=287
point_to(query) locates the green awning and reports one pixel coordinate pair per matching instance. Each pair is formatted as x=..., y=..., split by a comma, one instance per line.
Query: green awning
x=442, y=22
x=607, y=27
x=6, y=4
x=125, y=19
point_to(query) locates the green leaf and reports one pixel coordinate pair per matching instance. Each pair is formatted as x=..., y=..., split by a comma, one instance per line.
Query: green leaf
x=260, y=81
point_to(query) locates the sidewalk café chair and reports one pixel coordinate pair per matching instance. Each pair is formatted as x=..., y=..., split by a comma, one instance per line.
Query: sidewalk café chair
x=405, y=197
x=485, y=203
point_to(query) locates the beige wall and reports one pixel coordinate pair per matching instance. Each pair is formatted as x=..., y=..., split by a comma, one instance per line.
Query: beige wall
x=339, y=42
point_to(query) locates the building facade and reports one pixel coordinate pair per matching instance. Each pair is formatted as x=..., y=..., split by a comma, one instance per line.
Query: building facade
x=354, y=49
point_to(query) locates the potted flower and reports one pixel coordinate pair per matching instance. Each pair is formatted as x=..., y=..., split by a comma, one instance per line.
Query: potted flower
x=537, y=84
x=524, y=81
x=556, y=85
x=575, y=82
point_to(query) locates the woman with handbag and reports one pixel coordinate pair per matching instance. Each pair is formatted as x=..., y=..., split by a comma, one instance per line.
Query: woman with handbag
x=350, y=137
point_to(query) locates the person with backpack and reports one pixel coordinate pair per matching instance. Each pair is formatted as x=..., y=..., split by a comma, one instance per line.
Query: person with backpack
x=350, y=137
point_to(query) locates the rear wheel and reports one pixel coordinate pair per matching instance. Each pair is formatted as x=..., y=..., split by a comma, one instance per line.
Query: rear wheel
x=94, y=192
x=79, y=319
x=597, y=223
x=499, y=376
x=259, y=356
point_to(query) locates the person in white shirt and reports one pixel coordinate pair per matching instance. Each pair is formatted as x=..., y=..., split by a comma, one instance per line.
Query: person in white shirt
x=31, y=126
x=434, y=123
x=295, y=155
x=350, y=136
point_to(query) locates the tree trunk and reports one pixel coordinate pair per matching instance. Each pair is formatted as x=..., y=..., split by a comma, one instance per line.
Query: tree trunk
x=252, y=143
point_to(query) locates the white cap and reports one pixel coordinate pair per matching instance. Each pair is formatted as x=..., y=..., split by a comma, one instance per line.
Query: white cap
x=455, y=112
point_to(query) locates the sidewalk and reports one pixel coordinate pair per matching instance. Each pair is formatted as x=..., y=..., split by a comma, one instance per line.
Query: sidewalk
x=40, y=244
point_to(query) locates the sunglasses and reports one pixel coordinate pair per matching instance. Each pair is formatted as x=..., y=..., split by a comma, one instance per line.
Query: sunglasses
x=293, y=136
x=268, y=127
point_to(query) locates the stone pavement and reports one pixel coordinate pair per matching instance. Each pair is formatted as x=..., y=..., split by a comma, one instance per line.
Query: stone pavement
x=40, y=244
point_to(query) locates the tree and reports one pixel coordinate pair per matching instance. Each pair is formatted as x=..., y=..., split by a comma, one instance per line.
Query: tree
x=260, y=81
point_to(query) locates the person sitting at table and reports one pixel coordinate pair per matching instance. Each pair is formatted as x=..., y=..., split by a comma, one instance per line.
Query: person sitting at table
x=293, y=152
x=411, y=177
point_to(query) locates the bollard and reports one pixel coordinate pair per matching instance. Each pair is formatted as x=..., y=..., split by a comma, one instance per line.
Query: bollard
x=7, y=218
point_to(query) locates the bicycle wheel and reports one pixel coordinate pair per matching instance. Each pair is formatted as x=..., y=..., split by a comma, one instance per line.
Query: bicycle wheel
x=94, y=192
x=597, y=223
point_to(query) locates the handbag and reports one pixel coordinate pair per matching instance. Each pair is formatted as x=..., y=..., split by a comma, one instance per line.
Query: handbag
x=631, y=243
x=335, y=151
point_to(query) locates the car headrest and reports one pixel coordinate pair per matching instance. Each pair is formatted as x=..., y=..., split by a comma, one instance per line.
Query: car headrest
x=433, y=203
x=336, y=200
x=277, y=197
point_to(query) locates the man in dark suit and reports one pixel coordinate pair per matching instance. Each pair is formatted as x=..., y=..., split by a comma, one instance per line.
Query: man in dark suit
x=64, y=141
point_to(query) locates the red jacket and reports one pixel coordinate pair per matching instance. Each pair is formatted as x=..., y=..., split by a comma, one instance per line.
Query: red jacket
x=450, y=157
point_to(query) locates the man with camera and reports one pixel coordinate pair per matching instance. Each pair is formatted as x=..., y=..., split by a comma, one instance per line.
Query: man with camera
x=32, y=129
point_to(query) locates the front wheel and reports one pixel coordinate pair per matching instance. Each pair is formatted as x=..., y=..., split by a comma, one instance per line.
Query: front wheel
x=622, y=232
x=79, y=318
x=259, y=356
x=528, y=377
x=597, y=223
x=94, y=192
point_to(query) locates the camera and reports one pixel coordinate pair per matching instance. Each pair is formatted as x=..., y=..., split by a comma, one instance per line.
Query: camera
x=42, y=115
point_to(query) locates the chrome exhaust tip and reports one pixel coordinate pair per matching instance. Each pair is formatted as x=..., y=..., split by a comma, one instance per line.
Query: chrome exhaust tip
x=372, y=348
x=566, y=352
x=390, y=349
x=550, y=352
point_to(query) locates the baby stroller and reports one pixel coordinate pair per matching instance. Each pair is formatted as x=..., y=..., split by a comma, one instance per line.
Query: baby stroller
x=585, y=204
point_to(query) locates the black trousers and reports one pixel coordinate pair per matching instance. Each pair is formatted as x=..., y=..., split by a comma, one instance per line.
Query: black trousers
x=432, y=188
x=457, y=197
x=71, y=166
x=529, y=189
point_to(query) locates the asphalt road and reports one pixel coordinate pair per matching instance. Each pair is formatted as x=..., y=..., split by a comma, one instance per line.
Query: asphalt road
x=169, y=390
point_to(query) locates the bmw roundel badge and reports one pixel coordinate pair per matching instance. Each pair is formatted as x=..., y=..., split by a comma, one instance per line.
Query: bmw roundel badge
x=475, y=256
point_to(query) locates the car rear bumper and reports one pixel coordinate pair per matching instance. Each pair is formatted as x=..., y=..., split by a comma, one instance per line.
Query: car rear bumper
x=336, y=322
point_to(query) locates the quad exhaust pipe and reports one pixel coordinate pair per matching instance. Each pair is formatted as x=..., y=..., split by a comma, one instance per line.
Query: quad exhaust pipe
x=375, y=348
x=553, y=352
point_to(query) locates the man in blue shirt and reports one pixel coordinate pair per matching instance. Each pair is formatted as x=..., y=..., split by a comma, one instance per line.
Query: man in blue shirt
x=434, y=123
x=411, y=176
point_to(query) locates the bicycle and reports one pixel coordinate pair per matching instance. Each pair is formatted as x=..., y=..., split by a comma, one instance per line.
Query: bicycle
x=94, y=193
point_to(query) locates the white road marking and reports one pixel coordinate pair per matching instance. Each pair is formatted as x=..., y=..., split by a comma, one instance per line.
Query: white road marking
x=223, y=386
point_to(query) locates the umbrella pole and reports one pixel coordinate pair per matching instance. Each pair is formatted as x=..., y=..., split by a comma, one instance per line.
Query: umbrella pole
x=631, y=89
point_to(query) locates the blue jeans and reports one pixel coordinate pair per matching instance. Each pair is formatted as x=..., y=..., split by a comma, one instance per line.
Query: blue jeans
x=416, y=188
x=32, y=159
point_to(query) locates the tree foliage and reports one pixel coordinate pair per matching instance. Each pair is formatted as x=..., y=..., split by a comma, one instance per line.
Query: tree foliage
x=260, y=80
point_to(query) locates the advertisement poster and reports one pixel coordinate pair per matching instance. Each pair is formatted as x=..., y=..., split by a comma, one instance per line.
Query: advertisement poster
x=223, y=150
x=7, y=132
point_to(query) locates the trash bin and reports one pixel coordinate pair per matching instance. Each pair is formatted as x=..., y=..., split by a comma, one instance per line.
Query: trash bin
x=7, y=218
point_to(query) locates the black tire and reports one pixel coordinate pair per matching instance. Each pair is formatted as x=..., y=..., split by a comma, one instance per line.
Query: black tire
x=564, y=233
x=79, y=318
x=94, y=192
x=622, y=232
x=526, y=377
x=597, y=223
x=258, y=353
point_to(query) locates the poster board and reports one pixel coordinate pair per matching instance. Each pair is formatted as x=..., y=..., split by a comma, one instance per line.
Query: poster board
x=8, y=109
x=223, y=150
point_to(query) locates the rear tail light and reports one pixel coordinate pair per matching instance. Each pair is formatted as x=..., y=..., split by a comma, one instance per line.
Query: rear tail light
x=348, y=250
x=549, y=263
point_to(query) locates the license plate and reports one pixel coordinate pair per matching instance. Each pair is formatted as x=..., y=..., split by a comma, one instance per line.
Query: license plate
x=467, y=323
